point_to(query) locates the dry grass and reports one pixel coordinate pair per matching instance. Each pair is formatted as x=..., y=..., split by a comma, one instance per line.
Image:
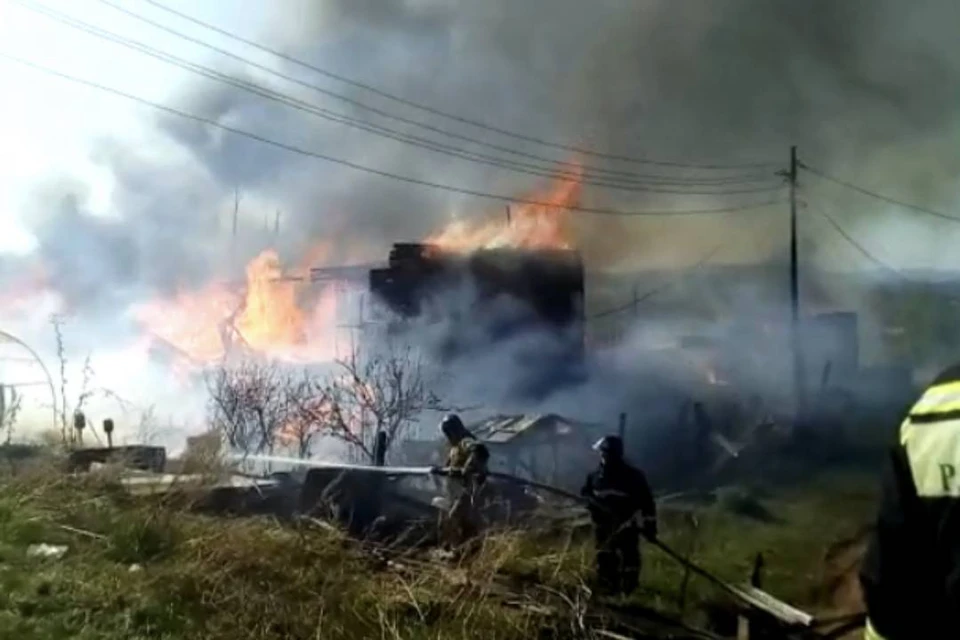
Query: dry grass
x=149, y=571
x=137, y=571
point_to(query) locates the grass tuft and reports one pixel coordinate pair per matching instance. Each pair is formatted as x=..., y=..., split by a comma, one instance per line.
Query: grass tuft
x=138, y=570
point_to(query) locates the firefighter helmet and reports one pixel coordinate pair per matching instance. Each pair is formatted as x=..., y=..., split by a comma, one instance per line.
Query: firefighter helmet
x=610, y=445
x=452, y=427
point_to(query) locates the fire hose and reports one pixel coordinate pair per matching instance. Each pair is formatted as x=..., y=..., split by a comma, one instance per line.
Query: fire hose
x=755, y=600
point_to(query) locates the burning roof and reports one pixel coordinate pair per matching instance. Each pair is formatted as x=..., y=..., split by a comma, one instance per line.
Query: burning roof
x=545, y=225
x=285, y=319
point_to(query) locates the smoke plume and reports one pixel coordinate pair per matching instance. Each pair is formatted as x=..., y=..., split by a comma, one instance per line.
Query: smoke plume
x=868, y=90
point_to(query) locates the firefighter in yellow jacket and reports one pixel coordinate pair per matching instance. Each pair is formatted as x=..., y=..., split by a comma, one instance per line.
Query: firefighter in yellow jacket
x=466, y=469
x=911, y=573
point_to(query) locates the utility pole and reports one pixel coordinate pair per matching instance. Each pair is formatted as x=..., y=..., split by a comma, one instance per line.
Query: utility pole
x=795, y=337
x=236, y=211
x=508, y=215
x=233, y=231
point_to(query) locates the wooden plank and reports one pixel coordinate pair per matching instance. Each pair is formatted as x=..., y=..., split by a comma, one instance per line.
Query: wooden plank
x=780, y=610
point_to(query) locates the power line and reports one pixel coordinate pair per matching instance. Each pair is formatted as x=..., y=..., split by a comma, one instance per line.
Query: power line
x=427, y=108
x=366, y=107
x=869, y=255
x=386, y=174
x=312, y=109
x=649, y=294
x=878, y=196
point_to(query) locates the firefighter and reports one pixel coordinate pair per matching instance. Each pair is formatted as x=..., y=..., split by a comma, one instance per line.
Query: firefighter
x=467, y=469
x=618, y=492
x=911, y=572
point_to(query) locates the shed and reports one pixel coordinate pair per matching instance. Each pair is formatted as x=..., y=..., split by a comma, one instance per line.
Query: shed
x=544, y=447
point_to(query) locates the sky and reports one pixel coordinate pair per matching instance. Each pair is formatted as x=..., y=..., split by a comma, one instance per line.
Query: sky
x=487, y=64
x=49, y=125
x=120, y=203
x=53, y=128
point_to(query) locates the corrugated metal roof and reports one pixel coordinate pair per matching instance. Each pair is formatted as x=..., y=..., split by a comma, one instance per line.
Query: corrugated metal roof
x=503, y=429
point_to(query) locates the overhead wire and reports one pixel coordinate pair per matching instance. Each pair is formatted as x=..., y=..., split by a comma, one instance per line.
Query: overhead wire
x=306, y=107
x=433, y=110
x=417, y=123
x=873, y=258
x=869, y=255
x=371, y=170
x=872, y=194
x=663, y=287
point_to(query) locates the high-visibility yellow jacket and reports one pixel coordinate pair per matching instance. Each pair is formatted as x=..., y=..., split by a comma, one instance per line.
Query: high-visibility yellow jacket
x=911, y=574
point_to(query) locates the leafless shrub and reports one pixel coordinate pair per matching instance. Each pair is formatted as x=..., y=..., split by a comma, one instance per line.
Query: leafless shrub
x=250, y=405
x=302, y=427
x=68, y=435
x=65, y=431
x=369, y=393
x=258, y=407
x=147, y=426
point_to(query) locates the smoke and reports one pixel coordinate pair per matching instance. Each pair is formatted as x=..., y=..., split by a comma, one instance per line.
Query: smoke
x=851, y=83
x=868, y=90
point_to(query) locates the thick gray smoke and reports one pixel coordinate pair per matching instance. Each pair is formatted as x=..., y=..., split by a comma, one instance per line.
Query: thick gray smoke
x=853, y=83
x=868, y=90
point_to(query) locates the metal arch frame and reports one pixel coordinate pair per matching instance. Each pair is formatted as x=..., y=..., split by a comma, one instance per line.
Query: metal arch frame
x=53, y=392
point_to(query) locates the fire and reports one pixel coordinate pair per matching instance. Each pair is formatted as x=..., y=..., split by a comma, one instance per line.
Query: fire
x=191, y=322
x=527, y=226
x=270, y=316
x=263, y=317
x=346, y=405
x=267, y=315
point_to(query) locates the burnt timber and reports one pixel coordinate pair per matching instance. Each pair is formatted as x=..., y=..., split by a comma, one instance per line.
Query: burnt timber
x=550, y=282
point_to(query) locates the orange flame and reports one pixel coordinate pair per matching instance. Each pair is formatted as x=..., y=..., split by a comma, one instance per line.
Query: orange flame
x=271, y=316
x=544, y=225
x=346, y=406
x=267, y=316
x=264, y=317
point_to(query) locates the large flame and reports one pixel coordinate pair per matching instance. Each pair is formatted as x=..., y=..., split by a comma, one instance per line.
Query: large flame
x=267, y=316
x=264, y=317
x=271, y=317
x=545, y=225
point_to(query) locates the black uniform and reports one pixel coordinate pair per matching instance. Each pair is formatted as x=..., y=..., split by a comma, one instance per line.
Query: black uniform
x=619, y=492
x=911, y=574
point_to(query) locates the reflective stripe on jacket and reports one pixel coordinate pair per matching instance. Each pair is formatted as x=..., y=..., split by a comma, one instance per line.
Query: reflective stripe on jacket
x=911, y=573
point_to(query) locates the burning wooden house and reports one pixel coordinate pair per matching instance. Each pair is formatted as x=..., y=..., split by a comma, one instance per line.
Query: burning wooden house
x=479, y=299
x=548, y=284
x=550, y=281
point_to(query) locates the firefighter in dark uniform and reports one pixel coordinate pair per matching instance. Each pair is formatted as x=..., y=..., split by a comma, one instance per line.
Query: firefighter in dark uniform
x=911, y=573
x=466, y=467
x=618, y=493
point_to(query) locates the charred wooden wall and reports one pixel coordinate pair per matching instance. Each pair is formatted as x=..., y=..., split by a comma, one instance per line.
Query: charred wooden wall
x=551, y=282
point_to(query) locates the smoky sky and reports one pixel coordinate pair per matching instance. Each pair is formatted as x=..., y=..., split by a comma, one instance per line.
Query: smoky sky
x=859, y=85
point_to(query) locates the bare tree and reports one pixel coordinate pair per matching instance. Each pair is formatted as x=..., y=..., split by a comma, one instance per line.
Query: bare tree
x=250, y=405
x=301, y=427
x=370, y=393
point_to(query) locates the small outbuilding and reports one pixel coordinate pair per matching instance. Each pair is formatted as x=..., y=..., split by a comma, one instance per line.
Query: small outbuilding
x=543, y=447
